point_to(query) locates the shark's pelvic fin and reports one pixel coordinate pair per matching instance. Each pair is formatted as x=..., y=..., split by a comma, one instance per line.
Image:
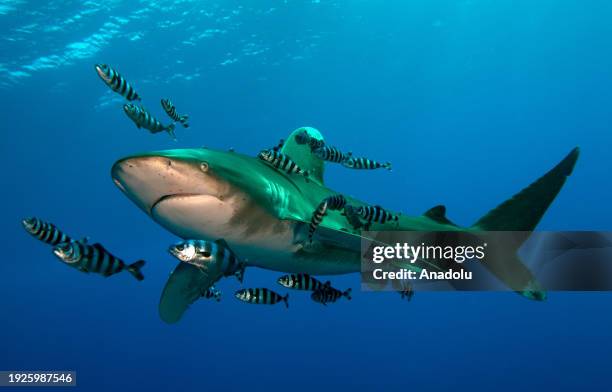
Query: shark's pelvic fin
x=524, y=210
x=303, y=156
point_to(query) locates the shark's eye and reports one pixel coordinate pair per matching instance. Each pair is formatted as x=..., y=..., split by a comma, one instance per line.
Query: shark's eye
x=180, y=247
x=206, y=254
x=204, y=166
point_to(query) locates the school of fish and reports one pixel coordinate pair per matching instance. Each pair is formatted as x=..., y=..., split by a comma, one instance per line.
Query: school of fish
x=215, y=258
x=141, y=117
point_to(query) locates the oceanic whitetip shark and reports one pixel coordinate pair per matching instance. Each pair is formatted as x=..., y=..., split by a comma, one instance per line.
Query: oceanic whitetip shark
x=263, y=214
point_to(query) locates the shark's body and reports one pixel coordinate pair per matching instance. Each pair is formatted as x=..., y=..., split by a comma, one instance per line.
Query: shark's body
x=263, y=213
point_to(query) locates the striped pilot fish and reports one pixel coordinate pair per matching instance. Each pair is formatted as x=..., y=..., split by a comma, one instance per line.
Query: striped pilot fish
x=116, y=82
x=212, y=292
x=364, y=163
x=261, y=296
x=143, y=119
x=282, y=162
x=331, y=154
x=351, y=214
x=95, y=258
x=301, y=282
x=170, y=110
x=304, y=138
x=317, y=218
x=207, y=254
x=407, y=292
x=404, y=288
x=329, y=294
x=334, y=203
x=45, y=231
x=280, y=145
x=375, y=214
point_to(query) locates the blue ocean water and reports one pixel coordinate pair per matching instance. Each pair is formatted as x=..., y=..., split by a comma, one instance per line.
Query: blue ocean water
x=471, y=100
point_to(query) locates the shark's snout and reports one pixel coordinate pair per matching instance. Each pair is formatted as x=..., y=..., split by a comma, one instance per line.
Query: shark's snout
x=146, y=180
x=185, y=192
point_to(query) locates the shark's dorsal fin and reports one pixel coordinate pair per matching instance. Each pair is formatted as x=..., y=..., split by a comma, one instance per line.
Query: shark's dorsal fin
x=303, y=156
x=438, y=213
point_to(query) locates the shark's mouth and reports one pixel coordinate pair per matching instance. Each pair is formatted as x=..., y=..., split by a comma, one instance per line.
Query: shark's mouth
x=172, y=197
x=192, y=215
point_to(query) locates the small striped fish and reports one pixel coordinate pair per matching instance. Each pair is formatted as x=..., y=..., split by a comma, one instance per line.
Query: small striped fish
x=317, y=218
x=376, y=214
x=304, y=138
x=301, y=282
x=116, y=82
x=336, y=202
x=280, y=145
x=329, y=294
x=212, y=292
x=261, y=296
x=45, y=231
x=404, y=288
x=282, y=162
x=207, y=254
x=170, y=110
x=407, y=293
x=331, y=154
x=352, y=215
x=95, y=258
x=143, y=119
x=364, y=163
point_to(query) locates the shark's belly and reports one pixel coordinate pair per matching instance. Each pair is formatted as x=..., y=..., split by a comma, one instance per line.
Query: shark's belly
x=255, y=235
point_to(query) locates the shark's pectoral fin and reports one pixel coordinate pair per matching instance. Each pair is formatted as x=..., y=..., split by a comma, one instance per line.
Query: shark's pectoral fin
x=184, y=286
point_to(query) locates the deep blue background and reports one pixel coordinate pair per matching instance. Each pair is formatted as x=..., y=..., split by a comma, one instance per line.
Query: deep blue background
x=471, y=101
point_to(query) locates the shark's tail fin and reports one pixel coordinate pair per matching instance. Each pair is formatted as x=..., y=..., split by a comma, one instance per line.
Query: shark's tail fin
x=134, y=269
x=286, y=300
x=521, y=213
